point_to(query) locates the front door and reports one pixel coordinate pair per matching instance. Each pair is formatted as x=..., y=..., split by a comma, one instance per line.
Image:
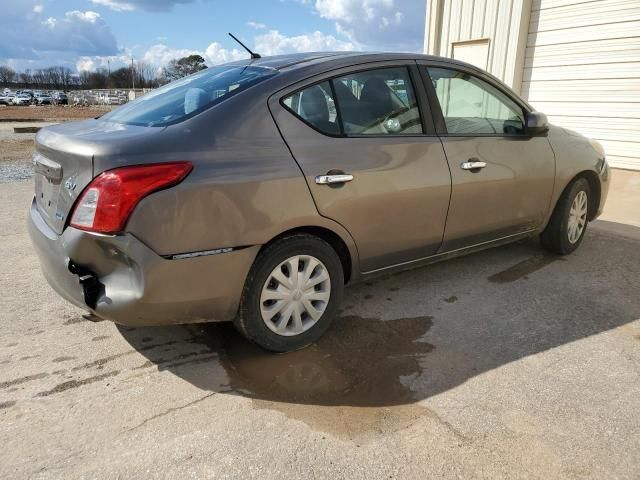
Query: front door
x=502, y=178
x=371, y=165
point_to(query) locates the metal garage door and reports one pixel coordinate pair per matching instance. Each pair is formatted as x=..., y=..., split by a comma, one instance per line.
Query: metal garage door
x=582, y=68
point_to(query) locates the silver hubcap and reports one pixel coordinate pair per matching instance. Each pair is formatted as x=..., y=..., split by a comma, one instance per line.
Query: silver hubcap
x=295, y=295
x=577, y=217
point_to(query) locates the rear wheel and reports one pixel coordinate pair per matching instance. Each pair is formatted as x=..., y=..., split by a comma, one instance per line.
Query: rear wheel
x=567, y=226
x=291, y=294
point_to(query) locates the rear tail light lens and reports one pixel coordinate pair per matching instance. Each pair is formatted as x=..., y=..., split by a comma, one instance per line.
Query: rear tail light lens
x=107, y=202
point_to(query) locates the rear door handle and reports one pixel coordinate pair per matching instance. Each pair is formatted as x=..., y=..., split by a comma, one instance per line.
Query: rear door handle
x=473, y=164
x=333, y=179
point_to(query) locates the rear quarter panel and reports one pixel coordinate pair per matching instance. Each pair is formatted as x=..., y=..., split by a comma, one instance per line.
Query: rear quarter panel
x=245, y=188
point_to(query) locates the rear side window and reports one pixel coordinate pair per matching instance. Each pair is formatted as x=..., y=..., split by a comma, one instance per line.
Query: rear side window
x=189, y=96
x=316, y=106
x=371, y=102
x=378, y=102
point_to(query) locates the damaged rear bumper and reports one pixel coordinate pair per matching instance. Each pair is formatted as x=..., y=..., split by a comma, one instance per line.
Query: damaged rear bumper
x=118, y=278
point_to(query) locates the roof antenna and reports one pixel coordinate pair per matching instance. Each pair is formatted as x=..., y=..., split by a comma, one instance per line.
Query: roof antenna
x=253, y=55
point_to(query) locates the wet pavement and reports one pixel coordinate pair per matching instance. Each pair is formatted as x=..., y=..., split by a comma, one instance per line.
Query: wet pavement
x=509, y=363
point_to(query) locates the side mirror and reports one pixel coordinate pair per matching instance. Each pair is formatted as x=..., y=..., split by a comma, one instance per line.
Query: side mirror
x=537, y=123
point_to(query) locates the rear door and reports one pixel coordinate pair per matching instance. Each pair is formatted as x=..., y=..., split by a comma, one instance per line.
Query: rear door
x=365, y=130
x=502, y=177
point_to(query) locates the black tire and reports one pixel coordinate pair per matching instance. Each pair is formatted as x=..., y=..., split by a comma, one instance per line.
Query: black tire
x=249, y=320
x=555, y=237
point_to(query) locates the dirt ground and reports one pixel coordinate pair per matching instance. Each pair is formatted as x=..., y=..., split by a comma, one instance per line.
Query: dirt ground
x=15, y=149
x=51, y=112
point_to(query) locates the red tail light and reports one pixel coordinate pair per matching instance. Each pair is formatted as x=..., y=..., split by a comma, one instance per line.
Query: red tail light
x=106, y=203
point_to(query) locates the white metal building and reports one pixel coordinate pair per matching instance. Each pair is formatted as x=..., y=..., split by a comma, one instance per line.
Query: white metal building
x=578, y=61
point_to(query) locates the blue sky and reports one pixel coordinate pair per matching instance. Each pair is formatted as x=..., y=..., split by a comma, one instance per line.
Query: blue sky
x=88, y=34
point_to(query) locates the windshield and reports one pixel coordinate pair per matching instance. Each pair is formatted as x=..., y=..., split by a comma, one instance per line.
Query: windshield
x=188, y=96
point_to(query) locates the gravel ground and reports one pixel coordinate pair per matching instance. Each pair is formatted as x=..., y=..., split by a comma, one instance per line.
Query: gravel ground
x=15, y=152
x=16, y=148
x=504, y=364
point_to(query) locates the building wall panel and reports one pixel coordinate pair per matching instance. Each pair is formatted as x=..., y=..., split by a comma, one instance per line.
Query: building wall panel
x=576, y=60
x=582, y=68
x=496, y=20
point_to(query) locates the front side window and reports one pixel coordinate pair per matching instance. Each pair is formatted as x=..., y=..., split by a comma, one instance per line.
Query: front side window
x=372, y=102
x=471, y=106
x=188, y=96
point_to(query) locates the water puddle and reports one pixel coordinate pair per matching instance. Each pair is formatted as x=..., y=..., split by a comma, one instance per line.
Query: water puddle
x=356, y=379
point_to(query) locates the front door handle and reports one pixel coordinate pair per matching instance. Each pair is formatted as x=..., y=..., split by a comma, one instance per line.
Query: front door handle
x=333, y=179
x=473, y=164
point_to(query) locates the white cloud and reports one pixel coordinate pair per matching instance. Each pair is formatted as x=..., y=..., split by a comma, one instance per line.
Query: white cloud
x=215, y=54
x=88, y=16
x=350, y=11
x=271, y=43
x=158, y=56
x=257, y=25
x=161, y=54
x=82, y=39
x=148, y=5
x=85, y=64
x=377, y=24
x=274, y=43
x=116, y=5
x=29, y=36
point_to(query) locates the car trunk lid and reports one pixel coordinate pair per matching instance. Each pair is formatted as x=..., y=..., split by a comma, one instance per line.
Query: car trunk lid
x=64, y=162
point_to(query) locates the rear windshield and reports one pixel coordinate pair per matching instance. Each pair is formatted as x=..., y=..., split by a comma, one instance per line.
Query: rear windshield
x=188, y=96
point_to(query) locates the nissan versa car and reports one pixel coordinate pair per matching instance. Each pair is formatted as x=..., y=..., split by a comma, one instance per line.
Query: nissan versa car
x=254, y=191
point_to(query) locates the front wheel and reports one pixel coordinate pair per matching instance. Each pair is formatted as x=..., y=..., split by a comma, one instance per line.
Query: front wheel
x=567, y=226
x=291, y=294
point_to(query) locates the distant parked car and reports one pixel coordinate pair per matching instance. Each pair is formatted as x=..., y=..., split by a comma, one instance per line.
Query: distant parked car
x=42, y=99
x=23, y=99
x=113, y=100
x=6, y=98
x=60, y=98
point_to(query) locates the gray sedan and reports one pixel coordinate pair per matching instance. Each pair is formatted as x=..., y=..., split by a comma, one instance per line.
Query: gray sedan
x=254, y=191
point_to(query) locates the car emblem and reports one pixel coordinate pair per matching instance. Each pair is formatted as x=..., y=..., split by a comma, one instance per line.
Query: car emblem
x=70, y=185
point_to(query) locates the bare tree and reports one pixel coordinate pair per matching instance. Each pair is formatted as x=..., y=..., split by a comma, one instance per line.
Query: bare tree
x=62, y=78
x=7, y=74
x=26, y=78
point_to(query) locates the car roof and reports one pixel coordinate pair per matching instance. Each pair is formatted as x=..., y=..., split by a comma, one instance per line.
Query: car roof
x=296, y=61
x=298, y=66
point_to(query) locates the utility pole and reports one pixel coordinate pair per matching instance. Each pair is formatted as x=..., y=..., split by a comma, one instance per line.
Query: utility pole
x=133, y=77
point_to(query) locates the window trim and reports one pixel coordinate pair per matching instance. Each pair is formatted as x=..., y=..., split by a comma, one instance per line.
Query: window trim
x=434, y=103
x=424, y=110
x=304, y=120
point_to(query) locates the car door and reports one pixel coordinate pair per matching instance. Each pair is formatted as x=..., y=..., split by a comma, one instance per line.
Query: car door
x=371, y=158
x=502, y=178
